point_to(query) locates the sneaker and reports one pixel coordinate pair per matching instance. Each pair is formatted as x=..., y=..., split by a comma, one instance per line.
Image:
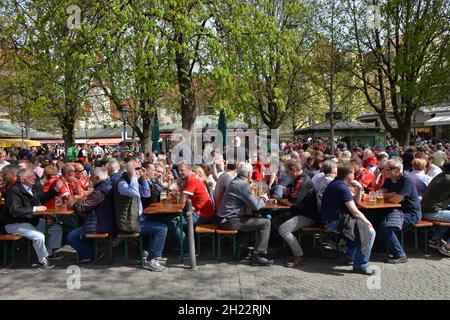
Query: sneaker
x=444, y=250
x=153, y=265
x=55, y=257
x=260, y=261
x=144, y=254
x=397, y=260
x=45, y=265
x=245, y=256
x=161, y=259
x=348, y=262
x=435, y=244
x=294, y=262
x=100, y=256
x=364, y=271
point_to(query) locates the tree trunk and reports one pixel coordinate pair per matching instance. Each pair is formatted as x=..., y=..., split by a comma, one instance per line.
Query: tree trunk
x=188, y=106
x=67, y=124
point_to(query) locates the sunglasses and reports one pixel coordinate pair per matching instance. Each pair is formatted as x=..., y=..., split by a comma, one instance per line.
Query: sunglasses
x=80, y=171
x=138, y=168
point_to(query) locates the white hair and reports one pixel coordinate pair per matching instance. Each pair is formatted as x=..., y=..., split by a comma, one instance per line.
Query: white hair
x=114, y=165
x=244, y=169
x=101, y=173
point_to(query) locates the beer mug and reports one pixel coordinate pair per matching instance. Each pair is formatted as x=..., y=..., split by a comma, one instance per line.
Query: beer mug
x=163, y=198
x=372, y=198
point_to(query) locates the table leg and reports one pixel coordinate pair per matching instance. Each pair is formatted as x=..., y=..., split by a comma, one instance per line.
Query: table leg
x=46, y=232
x=191, y=241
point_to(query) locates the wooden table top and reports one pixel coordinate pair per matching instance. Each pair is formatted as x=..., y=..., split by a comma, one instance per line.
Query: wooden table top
x=55, y=211
x=158, y=208
x=275, y=206
x=385, y=205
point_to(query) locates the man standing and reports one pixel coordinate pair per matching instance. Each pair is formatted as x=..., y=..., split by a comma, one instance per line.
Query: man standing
x=232, y=214
x=3, y=162
x=98, y=151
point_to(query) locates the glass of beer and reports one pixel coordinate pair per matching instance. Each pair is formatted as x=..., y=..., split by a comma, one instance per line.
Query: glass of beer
x=372, y=198
x=163, y=198
x=380, y=197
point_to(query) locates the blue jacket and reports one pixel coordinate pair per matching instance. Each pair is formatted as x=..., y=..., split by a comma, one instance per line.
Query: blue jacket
x=98, y=209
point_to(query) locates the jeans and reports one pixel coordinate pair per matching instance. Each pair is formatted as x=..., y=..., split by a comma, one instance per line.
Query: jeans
x=29, y=231
x=83, y=246
x=286, y=231
x=389, y=237
x=442, y=216
x=174, y=225
x=158, y=230
x=55, y=232
x=354, y=247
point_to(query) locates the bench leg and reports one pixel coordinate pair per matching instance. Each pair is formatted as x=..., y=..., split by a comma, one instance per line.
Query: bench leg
x=213, y=245
x=141, y=248
x=219, y=248
x=416, y=240
x=29, y=252
x=5, y=253
x=111, y=250
x=126, y=251
x=425, y=249
x=14, y=253
x=95, y=250
x=234, y=246
x=199, y=250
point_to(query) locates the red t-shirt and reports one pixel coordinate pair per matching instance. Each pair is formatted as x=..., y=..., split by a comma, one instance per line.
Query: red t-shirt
x=84, y=182
x=66, y=190
x=257, y=171
x=372, y=161
x=365, y=178
x=199, y=196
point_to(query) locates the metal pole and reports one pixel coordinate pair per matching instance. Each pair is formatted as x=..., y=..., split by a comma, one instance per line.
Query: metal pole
x=191, y=234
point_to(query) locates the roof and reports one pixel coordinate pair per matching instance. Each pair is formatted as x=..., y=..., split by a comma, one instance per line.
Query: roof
x=13, y=130
x=342, y=125
x=204, y=122
x=442, y=119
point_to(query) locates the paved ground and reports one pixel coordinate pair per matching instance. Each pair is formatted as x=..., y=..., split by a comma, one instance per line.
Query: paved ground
x=423, y=277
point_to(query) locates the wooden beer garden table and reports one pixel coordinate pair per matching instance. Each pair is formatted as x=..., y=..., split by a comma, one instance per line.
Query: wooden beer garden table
x=157, y=208
x=384, y=205
x=57, y=211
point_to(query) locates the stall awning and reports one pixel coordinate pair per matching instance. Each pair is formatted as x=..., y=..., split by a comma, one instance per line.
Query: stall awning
x=6, y=143
x=108, y=141
x=443, y=119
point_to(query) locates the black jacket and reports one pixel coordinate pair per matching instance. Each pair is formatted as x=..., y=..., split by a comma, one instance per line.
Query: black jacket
x=306, y=199
x=19, y=203
x=98, y=209
x=356, y=230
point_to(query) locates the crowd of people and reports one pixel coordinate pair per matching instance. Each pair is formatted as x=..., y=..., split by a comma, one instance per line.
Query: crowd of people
x=109, y=188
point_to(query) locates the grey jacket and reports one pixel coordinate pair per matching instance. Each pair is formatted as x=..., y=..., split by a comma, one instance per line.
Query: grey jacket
x=237, y=198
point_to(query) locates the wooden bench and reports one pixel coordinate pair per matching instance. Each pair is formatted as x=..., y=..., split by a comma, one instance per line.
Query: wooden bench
x=318, y=230
x=441, y=224
x=423, y=224
x=206, y=231
x=13, y=238
x=101, y=236
x=127, y=237
x=226, y=233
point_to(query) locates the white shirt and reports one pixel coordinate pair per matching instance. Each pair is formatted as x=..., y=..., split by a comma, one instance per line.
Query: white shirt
x=98, y=151
x=433, y=171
